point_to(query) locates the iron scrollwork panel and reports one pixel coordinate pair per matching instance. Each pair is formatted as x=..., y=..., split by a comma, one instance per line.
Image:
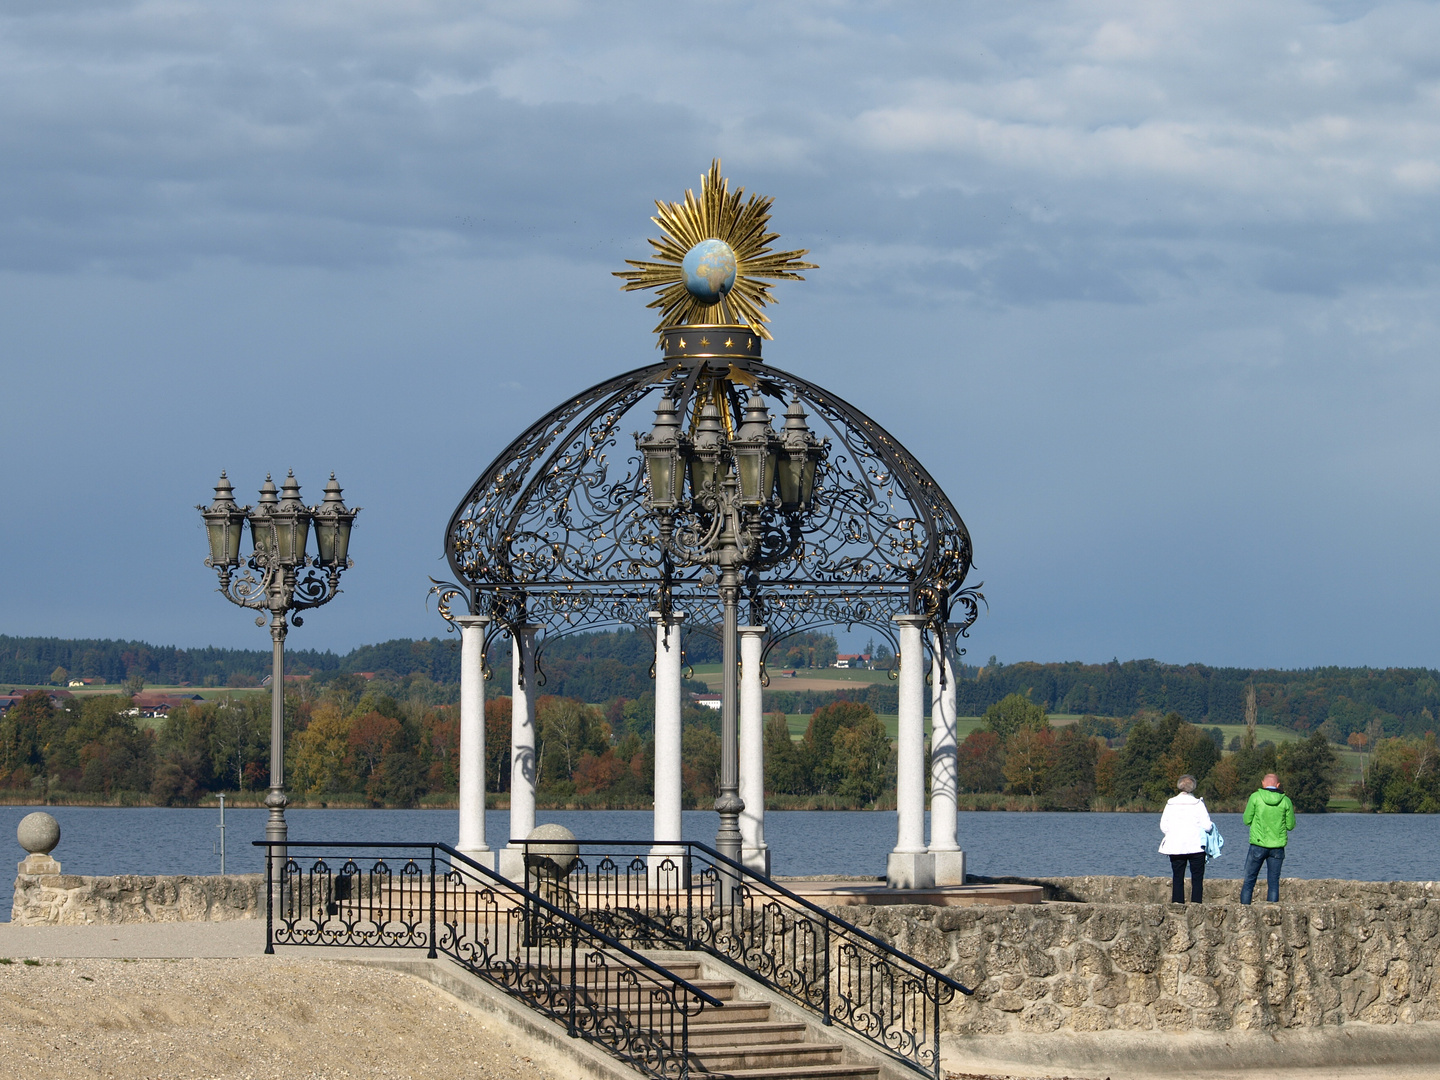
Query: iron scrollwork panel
x=555, y=531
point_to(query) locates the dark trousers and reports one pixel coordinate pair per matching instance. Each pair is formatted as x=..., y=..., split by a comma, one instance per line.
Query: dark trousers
x=1197, y=877
x=1273, y=858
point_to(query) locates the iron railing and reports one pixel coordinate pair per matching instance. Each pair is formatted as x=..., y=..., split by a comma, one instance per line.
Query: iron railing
x=430, y=896
x=693, y=897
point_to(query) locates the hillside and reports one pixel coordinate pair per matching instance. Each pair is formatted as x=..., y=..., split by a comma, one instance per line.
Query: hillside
x=603, y=666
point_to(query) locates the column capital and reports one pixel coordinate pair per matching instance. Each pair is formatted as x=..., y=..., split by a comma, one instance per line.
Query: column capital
x=674, y=617
x=751, y=630
x=467, y=621
x=911, y=620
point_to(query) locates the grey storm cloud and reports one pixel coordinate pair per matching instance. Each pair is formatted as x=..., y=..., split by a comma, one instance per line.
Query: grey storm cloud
x=1155, y=281
x=1005, y=136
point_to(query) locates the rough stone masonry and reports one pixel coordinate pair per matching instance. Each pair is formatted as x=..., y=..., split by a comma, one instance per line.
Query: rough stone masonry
x=1110, y=957
x=1102, y=954
x=73, y=899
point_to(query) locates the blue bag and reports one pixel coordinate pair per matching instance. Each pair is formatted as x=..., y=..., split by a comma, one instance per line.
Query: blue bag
x=1213, y=842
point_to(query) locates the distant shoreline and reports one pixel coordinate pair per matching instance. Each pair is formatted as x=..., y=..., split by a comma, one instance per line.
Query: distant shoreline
x=254, y=801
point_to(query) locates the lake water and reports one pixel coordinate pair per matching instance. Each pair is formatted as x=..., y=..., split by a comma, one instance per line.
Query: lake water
x=145, y=840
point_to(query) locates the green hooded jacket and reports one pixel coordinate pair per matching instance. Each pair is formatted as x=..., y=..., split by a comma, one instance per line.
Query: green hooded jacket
x=1271, y=816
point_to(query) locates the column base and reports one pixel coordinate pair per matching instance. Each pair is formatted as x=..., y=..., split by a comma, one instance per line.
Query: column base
x=949, y=867
x=484, y=856
x=510, y=863
x=667, y=869
x=910, y=870
x=756, y=859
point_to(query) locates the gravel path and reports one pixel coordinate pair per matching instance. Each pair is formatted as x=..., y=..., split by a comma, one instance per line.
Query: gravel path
x=248, y=1019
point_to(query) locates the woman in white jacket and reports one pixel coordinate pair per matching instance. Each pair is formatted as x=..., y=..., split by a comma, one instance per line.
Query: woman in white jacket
x=1185, y=823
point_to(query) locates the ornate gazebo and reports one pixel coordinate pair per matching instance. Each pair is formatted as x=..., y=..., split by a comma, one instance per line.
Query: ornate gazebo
x=713, y=513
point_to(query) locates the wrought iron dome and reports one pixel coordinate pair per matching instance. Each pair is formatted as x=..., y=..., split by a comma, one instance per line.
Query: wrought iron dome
x=557, y=531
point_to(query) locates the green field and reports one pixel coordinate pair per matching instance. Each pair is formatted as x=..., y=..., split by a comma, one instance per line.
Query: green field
x=209, y=693
x=710, y=675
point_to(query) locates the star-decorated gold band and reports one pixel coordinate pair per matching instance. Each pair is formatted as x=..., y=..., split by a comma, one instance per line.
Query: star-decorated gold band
x=710, y=342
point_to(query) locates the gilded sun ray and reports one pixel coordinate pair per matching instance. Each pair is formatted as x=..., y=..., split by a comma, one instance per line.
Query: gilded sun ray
x=713, y=262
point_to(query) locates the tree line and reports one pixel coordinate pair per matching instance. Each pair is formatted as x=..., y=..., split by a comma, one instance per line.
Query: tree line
x=351, y=741
x=598, y=667
x=1098, y=763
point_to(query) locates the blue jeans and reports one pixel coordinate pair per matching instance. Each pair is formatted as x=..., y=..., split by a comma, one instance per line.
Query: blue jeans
x=1273, y=858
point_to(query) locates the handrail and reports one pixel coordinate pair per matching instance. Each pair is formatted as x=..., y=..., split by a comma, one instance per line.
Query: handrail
x=535, y=898
x=773, y=884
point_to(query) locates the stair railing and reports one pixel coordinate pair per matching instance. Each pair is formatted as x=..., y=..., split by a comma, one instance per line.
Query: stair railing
x=432, y=897
x=688, y=895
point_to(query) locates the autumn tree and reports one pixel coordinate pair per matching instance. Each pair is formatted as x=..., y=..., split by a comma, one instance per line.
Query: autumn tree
x=784, y=769
x=1029, y=759
x=860, y=753
x=981, y=761
x=1307, y=772
x=820, y=739
x=1012, y=713
x=1071, y=781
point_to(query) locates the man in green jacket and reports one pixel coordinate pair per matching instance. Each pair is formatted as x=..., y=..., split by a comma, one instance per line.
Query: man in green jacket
x=1270, y=815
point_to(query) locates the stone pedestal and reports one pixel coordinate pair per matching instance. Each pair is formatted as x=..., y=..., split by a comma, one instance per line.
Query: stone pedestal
x=36, y=865
x=949, y=867
x=510, y=863
x=910, y=870
x=667, y=870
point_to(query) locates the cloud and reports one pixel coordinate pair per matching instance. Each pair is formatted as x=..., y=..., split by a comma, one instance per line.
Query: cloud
x=1152, y=266
x=151, y=133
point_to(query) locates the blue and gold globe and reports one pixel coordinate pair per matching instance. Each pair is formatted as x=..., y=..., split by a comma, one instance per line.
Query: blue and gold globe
x=709, y=269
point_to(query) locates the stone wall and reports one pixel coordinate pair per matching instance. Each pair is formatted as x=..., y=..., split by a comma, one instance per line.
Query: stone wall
x=69, y=899
x=1155, y=890
x=1330, y=954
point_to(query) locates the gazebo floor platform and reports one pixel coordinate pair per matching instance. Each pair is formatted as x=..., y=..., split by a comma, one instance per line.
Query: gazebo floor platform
x=835, y=892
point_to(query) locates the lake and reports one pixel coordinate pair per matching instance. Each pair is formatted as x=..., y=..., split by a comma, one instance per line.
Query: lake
x=148, y=840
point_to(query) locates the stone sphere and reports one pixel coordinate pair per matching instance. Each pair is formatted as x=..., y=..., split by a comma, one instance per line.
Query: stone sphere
x=553, y=859
x=709, y=268
x=38, y=833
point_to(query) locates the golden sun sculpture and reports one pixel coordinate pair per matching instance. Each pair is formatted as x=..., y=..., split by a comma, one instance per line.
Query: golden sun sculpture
x=713, y=257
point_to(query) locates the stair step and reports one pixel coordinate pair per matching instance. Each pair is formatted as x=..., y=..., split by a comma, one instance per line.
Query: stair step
x=723, y=991
x=799, y=1072
x=727, y=1034
x=689, y=971
x=644, y=978
x=766, y=1055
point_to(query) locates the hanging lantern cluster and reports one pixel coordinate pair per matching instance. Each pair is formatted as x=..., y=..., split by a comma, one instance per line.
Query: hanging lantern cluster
x=770, y=469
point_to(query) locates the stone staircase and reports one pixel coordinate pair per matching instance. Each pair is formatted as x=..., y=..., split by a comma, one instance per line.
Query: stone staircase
x=745, y=1040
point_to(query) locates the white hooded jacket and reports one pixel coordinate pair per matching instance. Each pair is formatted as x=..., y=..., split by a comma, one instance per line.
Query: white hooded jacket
x=1184, y=823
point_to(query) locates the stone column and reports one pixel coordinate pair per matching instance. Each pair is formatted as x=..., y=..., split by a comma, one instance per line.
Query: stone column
x=944, y=765
x=472, y=739
x=667, y=859
x=523, y=763
x=910, y=865
x=754, y=852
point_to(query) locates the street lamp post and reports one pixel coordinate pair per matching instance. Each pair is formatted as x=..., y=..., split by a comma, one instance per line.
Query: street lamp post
x=270, y=580
x=748, y=497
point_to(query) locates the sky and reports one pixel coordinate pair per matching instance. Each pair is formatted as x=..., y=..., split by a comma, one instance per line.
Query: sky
x=1149, y=287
